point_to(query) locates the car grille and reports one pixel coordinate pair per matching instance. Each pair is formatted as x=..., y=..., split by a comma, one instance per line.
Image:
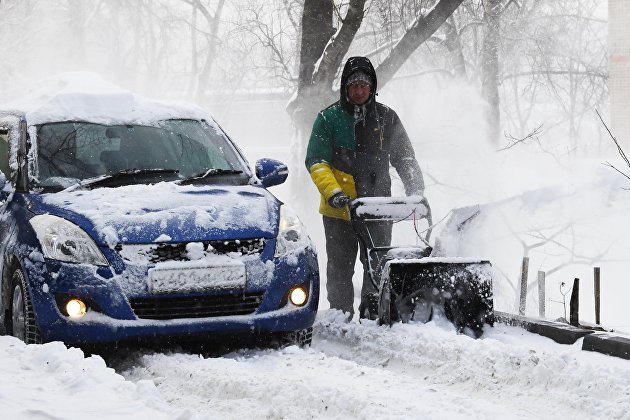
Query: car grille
x=163, y=252
x=195, y=306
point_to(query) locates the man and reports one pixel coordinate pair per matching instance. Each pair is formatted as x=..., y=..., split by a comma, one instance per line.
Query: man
x=350, y=149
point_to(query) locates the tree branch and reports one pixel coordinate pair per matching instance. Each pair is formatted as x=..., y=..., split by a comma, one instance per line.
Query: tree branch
x=339, y=44
x=619, y=149
x=514, y=141
x=419, y=32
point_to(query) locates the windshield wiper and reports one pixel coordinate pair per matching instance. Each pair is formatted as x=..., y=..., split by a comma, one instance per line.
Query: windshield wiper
x=123, y=175
x=209, y=173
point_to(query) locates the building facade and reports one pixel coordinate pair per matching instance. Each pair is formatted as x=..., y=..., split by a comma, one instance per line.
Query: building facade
x=619, y=69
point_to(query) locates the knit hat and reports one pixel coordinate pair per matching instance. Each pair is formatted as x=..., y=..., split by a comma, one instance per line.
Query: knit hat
x=359, y=76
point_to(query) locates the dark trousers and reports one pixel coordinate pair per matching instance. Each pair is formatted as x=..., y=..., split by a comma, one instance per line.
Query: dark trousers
x=341, y=251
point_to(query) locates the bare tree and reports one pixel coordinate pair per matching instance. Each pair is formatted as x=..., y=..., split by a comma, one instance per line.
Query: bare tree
x=210, y=36
x=490, y=67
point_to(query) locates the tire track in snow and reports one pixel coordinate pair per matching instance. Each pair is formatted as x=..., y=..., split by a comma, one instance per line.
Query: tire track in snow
x=507, y=363
x=409, y=371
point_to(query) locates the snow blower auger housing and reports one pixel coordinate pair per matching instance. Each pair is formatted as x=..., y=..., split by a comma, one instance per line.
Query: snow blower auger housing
x=411, y=284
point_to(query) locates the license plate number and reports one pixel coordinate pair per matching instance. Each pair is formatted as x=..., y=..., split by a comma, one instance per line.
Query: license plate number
x=196, y=279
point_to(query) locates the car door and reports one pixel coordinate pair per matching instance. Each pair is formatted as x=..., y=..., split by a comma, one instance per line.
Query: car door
x=5, y=183
x=7, y=227
x=4, y=196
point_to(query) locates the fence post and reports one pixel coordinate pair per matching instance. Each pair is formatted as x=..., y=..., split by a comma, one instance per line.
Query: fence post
x=574, y=304
x=541, y=294
x=523, y=297
x=597, y=294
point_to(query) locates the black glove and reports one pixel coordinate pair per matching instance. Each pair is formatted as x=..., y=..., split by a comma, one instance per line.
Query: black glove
x=339, y=200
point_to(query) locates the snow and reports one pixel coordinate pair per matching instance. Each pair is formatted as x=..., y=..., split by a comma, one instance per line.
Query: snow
x=50, y=381
x=394, y=208
x=120, y=213
x=85, y=96
x=353, y=370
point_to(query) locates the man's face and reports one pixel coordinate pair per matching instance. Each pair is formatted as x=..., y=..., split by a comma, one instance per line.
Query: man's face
x=359, y=92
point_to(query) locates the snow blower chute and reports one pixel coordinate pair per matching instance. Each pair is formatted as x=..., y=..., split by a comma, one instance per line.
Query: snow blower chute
x=411, y=283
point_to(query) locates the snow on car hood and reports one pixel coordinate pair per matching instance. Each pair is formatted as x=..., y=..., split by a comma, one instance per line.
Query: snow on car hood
x=165, y=212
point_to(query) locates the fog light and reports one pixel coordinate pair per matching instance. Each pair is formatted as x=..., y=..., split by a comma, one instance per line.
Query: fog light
x=75, y=308
x=298, y=296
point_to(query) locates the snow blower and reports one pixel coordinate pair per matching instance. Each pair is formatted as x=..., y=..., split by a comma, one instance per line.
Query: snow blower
x=411, y=283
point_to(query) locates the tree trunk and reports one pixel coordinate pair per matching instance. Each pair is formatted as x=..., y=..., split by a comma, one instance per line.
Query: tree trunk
x=453, y=43
x=212, y=40
x=490, y=69
x=317, y=28
x=339, y=44
x=193, y=53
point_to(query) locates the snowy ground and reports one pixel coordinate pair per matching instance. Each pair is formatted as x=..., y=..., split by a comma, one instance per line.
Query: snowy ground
x=352, y=370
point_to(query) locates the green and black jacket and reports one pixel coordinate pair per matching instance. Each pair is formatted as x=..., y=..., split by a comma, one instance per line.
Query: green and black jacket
x=353, y=154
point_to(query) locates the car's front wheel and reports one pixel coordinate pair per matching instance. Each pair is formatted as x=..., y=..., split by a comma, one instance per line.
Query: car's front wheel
x=301, y=338
x=22, y=323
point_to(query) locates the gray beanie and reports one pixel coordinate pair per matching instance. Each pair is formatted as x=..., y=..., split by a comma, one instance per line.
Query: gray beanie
x=359, y=76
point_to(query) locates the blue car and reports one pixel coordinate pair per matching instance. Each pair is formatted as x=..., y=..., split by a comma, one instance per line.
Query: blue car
x=123, y=219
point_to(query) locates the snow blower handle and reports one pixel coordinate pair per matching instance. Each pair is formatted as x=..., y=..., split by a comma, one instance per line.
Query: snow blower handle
x=368, y=213
x=390, y=208
x=393, y=209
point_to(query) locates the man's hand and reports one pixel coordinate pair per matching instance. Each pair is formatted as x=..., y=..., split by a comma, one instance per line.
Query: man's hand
x=339, y=200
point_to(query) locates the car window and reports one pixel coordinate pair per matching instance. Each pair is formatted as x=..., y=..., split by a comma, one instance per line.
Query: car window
x=4, y=152
x=200, y=146
x=60, y=156
x=77, y=150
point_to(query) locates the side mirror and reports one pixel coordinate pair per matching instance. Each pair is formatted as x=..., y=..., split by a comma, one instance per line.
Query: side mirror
x=271, y=172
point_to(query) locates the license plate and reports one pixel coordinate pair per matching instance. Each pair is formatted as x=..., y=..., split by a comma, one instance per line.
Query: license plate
x=197, y=279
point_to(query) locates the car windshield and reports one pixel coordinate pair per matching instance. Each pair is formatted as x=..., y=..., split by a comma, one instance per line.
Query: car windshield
x=70, y=152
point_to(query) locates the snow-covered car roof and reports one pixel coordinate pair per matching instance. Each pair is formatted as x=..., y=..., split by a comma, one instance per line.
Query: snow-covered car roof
x=84, y=96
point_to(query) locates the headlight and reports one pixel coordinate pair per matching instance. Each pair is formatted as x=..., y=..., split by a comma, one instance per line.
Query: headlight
x=298, y=296
x=291, y=233
x=76, y=308
x=64, y=241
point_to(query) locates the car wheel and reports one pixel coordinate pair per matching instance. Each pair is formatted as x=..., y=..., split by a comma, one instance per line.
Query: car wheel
x=302, y=338
x=22, y=323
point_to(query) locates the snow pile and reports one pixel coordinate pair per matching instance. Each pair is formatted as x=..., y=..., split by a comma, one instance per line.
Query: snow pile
x=353, y=370
x=84, y=96
x=50, y=381
x=408, y=371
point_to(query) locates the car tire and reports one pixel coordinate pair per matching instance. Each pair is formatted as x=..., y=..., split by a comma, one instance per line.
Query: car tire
x=302, y=338
x=21, y=323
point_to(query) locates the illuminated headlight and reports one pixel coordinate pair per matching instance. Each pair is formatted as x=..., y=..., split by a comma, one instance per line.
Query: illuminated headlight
x=291, y=233
x=64, y=241
x=298, y=296
x=76, y=308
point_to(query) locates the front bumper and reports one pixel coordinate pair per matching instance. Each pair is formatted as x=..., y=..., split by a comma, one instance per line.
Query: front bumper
x=111, y=317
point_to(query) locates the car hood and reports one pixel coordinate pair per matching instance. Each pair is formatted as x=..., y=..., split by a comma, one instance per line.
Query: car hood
x=165, y=212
